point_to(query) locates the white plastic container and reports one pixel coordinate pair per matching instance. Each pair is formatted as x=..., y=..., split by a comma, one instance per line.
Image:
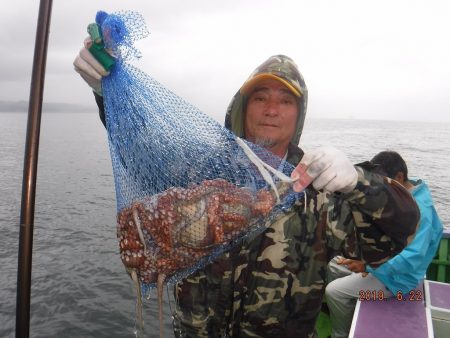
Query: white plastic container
x=437, y=299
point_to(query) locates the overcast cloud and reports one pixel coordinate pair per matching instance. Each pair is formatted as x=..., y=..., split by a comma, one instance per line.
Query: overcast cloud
x=385, y=59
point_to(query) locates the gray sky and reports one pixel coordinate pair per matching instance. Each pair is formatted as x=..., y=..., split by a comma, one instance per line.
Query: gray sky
x=385, y=59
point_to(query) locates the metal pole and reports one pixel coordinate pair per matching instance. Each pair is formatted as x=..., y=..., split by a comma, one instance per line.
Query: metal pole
x=30, y=170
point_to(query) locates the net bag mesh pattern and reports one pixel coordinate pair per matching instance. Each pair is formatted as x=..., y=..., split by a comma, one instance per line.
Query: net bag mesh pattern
x=187, y=189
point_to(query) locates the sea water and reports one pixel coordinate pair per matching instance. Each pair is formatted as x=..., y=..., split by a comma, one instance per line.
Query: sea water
x=79, y=285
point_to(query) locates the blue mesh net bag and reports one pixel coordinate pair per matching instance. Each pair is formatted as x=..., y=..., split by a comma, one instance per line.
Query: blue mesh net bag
x=187, y=189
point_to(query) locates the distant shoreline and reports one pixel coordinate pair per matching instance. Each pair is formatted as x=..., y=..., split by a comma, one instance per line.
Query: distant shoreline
x=48, y=107
x=45, y=111
x=59, y=107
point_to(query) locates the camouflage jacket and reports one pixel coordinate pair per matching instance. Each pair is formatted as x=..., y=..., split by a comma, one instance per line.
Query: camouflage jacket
x=273, y=285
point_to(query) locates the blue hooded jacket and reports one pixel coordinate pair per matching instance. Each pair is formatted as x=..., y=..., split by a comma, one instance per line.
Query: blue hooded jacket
x=404, y=271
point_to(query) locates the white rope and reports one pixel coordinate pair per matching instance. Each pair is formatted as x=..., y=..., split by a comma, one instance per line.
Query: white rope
x=263, y=167
x=139, y=229
x=305, y=201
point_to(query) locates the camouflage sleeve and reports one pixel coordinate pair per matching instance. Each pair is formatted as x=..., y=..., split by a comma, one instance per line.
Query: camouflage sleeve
x=383, y=214
x=101, y=108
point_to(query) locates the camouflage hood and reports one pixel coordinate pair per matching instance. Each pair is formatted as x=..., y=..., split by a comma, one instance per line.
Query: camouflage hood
x=284, y=70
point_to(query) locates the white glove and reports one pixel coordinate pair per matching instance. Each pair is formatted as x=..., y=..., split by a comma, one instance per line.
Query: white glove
x=89, y=68
x=328, y=169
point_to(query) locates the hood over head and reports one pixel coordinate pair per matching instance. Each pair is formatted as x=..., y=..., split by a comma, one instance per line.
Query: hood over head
x=278, y=67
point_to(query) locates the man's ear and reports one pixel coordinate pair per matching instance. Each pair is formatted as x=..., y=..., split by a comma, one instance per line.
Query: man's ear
x=400, y=177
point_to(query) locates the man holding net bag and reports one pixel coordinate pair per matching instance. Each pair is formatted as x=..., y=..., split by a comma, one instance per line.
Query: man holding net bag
x=272, y=285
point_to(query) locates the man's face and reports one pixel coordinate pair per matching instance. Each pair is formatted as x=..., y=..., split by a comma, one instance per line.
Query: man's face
x=271, y=116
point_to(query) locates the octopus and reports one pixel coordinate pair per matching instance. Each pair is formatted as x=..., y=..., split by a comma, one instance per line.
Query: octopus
x=172, y=231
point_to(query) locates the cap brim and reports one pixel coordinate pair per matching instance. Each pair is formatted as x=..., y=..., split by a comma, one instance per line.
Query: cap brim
x=250, y=84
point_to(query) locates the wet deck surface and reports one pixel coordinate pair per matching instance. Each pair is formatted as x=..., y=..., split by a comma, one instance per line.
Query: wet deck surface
x=392, y=317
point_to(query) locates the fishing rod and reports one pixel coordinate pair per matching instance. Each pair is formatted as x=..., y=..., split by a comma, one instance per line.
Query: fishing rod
x=30, y=171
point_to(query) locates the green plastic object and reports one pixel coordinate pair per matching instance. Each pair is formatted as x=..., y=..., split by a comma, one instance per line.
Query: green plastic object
x=95, y=33
x=98, y=51
x=98, y=48
x=439, y=269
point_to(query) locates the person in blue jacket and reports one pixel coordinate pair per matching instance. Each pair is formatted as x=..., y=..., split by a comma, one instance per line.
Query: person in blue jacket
x=350, y=279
